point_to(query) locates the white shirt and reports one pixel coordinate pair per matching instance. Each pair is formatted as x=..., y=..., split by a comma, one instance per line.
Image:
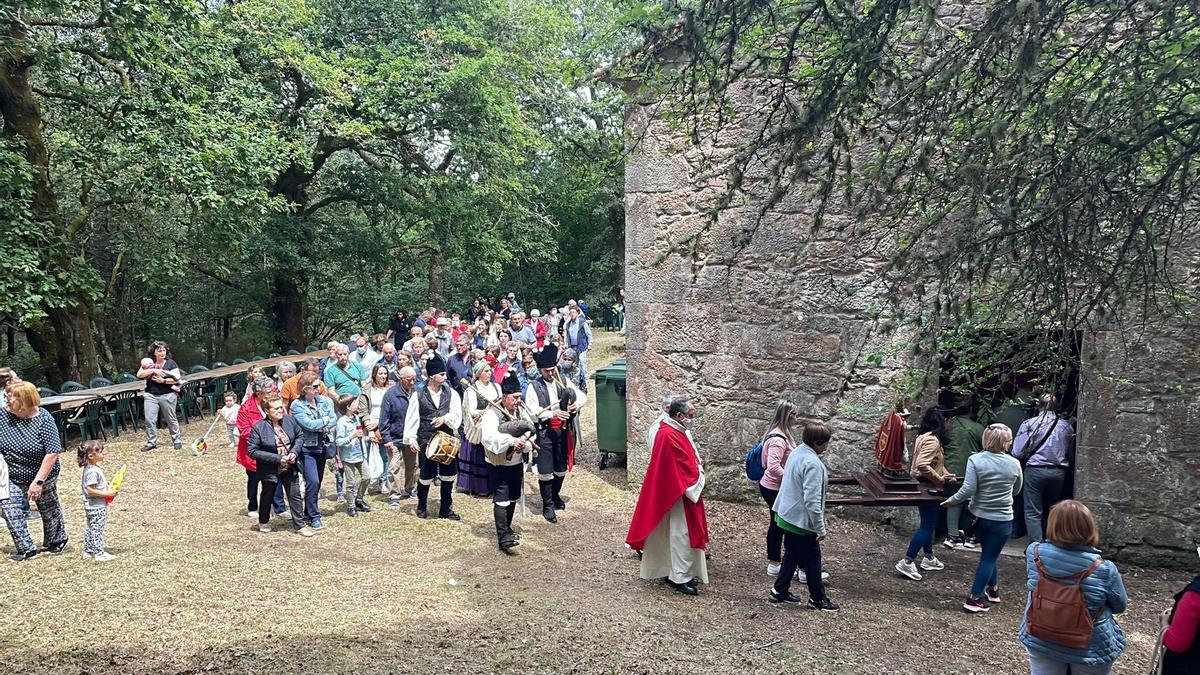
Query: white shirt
x=496, y=444
x=542, y=414
x=367, y=360
x=412, y=420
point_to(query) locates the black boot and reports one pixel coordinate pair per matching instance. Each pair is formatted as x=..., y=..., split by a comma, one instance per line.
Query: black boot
x=511, y=509
x=547, y=489
x=422, y=500
x=504, y=536
x=558, y=502
x=362, y=506
x=445, y=509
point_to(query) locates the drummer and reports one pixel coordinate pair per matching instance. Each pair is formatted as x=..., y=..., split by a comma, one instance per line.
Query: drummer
x=438, y=408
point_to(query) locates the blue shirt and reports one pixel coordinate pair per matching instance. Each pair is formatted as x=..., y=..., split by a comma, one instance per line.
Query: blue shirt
x=525, y=335
x=1053, y=452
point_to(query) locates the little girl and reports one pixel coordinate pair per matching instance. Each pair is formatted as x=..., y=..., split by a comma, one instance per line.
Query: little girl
x=350, y=452
x=230, y=413
x=95, y=505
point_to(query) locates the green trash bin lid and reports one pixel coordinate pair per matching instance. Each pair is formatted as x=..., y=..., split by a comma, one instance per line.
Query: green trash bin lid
x=613, y=371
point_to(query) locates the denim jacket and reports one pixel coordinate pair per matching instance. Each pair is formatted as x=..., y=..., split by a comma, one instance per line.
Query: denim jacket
x=317, y=421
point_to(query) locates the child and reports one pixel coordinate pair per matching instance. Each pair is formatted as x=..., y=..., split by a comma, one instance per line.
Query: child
x=95, y=505
x=350, y=452
x=230, y=413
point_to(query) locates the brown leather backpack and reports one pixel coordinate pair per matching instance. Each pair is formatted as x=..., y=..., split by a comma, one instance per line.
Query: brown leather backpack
x=1058, y=611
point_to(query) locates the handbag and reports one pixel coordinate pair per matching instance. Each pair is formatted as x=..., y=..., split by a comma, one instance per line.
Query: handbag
x=373, y=465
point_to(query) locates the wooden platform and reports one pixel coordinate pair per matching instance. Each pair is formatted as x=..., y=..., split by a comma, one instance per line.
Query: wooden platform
x=884, y=491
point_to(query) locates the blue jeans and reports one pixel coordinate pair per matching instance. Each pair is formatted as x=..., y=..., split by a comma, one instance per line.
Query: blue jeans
x=312, y=464
x=922, y=539
x=1041, y=664
x=992, y=534
x=1042, y=490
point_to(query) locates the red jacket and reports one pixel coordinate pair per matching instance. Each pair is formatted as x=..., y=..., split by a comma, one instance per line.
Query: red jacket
x=248, y=414
x=539, y=331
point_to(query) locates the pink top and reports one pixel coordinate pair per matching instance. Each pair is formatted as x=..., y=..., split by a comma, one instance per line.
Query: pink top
x=776, y=451
x=1182, y=632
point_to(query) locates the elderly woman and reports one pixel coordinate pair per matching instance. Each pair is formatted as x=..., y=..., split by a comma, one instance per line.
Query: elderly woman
x=30, y=445
x=991, y=479
x=283, y=372
x=163, y=378
x=249, y=414
x=568, y=367
x=315, y=415
x=473, y=470
x=272, y=447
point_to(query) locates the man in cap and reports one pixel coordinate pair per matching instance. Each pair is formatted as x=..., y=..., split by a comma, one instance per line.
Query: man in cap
x=504, y=454
x=436, y=407
x=553, y=403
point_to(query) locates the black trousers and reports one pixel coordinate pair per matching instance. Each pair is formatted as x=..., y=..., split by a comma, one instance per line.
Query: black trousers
x=506, y=483
x=552, y=450
x=774, y=532
x=289, y=481
x=803, y=552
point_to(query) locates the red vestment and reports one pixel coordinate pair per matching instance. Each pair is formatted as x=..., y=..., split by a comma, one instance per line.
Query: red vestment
x=889, y=445
x=673, y=469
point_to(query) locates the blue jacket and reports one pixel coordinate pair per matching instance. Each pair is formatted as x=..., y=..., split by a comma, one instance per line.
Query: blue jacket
x=801, y=499
x=392, y=414
x=583, y=338
x=318, y=423
x=1103, y=587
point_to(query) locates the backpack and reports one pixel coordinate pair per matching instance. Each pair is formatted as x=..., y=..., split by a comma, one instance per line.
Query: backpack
x=1058, y=611
x=756, y=464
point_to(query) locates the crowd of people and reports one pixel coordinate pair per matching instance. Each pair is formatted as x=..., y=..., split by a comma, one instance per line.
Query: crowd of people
x=473, y=406
x=1072, y=593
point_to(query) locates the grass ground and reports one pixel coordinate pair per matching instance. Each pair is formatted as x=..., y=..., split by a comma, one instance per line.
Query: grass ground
x=196, y=590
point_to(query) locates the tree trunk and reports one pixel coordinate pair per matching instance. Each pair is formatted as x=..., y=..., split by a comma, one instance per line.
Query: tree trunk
x=437, y=277
x=287, y=310
x=64, y=338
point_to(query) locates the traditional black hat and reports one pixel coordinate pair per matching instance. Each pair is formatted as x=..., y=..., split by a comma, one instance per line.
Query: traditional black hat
x=436, y=365
x=548, y=357
x=510, y=384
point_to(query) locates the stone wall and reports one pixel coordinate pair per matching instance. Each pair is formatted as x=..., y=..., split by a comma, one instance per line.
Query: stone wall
x=759, y=314
x=754, y=317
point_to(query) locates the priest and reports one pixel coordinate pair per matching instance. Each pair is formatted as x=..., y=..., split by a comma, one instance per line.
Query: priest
x=669, y=526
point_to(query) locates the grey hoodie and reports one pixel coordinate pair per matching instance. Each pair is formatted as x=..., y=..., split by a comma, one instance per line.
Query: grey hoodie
x=801, y=499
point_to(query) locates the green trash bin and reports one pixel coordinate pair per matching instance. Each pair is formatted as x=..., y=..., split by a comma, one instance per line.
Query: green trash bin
x=610, y=410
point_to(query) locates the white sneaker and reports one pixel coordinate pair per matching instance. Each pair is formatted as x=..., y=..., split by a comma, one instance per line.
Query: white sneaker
x=264, y=528
x=773, y=568
x=253, y=513
x=88, y=556
x=306, y=531
x=104, y=556
x=932, y=564
x=908, y=569
x=803, y=578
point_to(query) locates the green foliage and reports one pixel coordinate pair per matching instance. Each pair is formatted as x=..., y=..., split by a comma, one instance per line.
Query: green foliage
x=371, y=154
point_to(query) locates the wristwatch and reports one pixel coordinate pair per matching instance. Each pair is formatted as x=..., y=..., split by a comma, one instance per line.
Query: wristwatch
x=39, y=482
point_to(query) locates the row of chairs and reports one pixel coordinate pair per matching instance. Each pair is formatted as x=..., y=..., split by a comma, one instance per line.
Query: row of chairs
x=71, y=386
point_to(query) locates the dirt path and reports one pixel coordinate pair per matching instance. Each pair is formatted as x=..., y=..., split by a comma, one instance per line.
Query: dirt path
x=196, y=590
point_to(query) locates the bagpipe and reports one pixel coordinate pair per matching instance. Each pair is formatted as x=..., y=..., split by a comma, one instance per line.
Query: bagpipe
x=566, y=399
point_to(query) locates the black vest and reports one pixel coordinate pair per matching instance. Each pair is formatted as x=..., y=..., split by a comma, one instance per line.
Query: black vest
x=428, y=410
x=1189, y=661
